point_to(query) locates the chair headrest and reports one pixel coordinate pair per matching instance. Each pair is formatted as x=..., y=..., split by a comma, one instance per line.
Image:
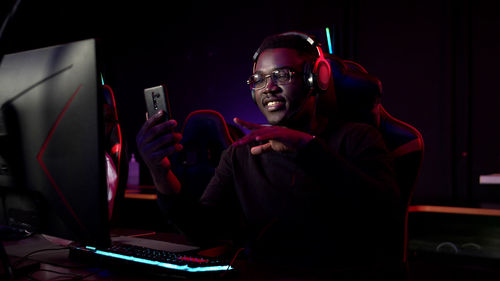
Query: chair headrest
x=358, y=96
x=208, y=126
x=357, y=92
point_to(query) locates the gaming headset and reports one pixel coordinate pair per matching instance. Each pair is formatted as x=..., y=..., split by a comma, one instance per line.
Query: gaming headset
x=317, y=73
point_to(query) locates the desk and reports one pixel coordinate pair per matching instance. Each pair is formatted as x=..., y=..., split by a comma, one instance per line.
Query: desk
x=453, y=210
x=142, y=192
x=52, y=264
x=460, y=231
x=55, y=265
x=489, y=191
x=489, y=179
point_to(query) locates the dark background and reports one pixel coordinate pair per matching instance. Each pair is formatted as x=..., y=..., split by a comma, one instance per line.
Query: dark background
x=438, y=62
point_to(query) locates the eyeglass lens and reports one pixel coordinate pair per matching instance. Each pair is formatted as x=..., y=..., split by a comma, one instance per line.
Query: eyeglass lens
x=279, y=76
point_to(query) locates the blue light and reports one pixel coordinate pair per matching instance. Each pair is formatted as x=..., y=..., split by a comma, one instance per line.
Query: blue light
x=102, y=80
x=330, y=45
x=166, y=265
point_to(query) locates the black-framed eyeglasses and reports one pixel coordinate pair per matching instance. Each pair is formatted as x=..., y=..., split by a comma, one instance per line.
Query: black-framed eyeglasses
x=280, y=76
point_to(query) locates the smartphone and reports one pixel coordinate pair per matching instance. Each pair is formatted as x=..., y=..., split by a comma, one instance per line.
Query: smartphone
x=156, y=100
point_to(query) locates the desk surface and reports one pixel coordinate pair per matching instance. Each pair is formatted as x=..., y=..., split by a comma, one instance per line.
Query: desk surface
x=55, y=265
x=144, y=192
x=52, y=254
x=489, y=179
x=453, y=210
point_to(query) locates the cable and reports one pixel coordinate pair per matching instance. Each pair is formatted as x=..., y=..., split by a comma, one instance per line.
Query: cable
x=142, y=234
x=6, y=263
x=58, y=272
x=232, y=261
x=446, y=246
x=73, y=276
x=235, y=256
x=35, y=252
x=4, y=24
x=7, y=19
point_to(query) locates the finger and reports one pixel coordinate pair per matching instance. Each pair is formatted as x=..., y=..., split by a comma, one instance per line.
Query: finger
x=148, y=148
x=279, y=146
x=255, y=135
x=250, y=137
x=166, y=141
x=152, y=121
x=268, y=135
x=285, y=136
x=248, y=125
x=244, y=140
x=158, y=156
x=159, y=130
x=165, y=163
x=259, y=149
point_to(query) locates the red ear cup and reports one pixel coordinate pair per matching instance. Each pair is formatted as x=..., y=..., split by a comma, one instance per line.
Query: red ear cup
x=322, y=74
x=318, y=76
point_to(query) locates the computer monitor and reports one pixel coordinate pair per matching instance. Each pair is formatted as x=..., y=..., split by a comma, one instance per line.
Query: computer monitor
x=53, y=137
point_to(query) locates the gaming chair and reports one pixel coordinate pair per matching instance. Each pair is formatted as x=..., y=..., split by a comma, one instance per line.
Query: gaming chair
x=116, y=158
x=358, y=98
x=205, y=134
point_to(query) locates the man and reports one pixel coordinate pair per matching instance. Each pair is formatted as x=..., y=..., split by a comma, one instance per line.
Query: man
x=308, y=185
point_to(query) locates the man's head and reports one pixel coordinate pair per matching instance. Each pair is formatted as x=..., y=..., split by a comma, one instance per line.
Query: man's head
x=285, y=77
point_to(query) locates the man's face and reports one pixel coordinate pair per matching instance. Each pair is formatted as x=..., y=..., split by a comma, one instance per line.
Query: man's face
x=279, y=101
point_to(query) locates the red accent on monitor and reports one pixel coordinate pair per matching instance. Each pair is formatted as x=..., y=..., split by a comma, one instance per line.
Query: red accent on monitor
x=44, y=167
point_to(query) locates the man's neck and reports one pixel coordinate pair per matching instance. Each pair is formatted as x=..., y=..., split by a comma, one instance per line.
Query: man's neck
x=306, y=120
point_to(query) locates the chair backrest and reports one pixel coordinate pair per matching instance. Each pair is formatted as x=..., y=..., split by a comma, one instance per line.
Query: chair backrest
x=358, y=97
x=407, y=147
x=205, y=134
x=116, y=157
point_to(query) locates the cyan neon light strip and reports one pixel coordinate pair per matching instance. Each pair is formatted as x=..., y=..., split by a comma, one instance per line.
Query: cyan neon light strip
x=330, y=45
x=102, y=79
x=164, y=264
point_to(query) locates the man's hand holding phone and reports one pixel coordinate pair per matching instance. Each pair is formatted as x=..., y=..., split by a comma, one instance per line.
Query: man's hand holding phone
x=157, y=140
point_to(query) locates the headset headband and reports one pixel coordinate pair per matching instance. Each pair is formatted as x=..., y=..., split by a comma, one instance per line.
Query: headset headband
x=304, y=36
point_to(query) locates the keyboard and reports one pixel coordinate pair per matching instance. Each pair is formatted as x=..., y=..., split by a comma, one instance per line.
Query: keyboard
x=160, y=261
